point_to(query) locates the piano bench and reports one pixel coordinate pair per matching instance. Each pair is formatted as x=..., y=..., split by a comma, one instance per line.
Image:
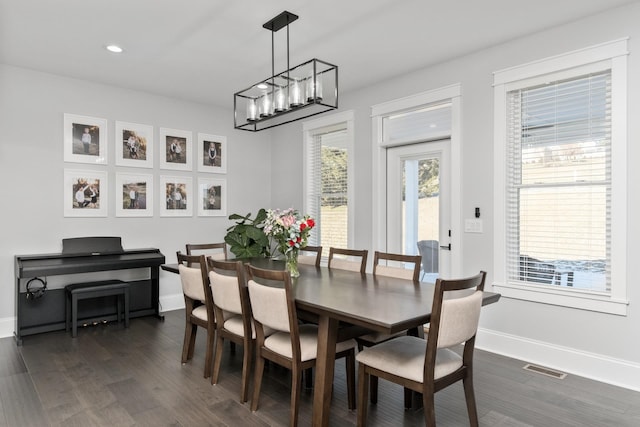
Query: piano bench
x=81, y=291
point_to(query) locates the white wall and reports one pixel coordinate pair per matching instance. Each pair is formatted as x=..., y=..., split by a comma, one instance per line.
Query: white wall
x=596, y=345
x=32, y=105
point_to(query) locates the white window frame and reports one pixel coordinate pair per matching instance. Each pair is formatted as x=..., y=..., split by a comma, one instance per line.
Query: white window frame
x=606, y=56
x=311, y=127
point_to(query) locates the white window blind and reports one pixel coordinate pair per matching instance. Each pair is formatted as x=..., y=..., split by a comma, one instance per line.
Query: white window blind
x=327, y=186
x=558, y=200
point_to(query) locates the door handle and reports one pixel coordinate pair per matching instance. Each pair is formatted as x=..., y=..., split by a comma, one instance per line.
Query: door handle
x=447, y=247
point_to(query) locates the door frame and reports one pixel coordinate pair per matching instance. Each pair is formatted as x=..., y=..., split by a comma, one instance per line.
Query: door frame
x=451, y=95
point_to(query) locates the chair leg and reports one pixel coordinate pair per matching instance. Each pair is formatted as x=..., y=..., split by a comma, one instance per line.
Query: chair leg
x=374, y=389
x=350, y=362
x=257, y=381
x=189, y=341
x=363, y=391
x=428, y=402
x=308, y=378
x=471, y=400
x=217, y=359
x=408, y=396
x=296, y=390
x=246, y=366
x=208, y=360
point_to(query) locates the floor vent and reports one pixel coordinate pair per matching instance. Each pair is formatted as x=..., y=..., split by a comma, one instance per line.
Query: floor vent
x=545, y=371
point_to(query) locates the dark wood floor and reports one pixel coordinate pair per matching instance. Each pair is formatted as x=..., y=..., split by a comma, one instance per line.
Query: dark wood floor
x=110, y=376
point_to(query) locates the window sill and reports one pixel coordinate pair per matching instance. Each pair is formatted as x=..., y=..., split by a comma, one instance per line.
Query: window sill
x=570, y=299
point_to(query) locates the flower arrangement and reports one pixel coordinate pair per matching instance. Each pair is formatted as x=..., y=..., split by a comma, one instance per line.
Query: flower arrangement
x=291, y=232
x=288, y=228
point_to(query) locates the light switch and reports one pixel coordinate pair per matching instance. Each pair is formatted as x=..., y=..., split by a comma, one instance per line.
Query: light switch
x=473, y=226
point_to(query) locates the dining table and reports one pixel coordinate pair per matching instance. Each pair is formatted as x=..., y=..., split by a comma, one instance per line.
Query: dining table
x=347, y=304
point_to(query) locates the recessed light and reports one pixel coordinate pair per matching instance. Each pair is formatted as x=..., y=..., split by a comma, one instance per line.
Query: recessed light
x=114, y=48
x=262, y=86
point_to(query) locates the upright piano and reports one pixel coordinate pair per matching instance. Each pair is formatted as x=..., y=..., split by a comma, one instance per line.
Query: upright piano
x=44, y=311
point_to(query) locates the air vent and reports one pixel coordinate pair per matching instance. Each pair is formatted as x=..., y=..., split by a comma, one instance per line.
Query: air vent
x=545, y=371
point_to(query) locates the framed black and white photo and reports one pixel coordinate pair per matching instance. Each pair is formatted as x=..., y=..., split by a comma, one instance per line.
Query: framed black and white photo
x=175, y=149
x=212, y=153
x=176, y=196
x=134, y=145
x=134, y=195
x=85, y=193
x=212, y=197
x=85, y=139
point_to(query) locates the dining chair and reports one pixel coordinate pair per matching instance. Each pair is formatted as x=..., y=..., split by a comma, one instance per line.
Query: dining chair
x=392, y=265
x=307, y=258
x=282, y=340
x=214, y=250
x=345, y=259
x=429, y=365
x=233, y=314
x=198, y=302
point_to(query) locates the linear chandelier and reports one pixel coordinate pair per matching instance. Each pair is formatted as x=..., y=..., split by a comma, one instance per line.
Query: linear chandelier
x=299, y=92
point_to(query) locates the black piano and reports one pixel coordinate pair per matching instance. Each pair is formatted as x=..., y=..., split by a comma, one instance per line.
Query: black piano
x=44, y=310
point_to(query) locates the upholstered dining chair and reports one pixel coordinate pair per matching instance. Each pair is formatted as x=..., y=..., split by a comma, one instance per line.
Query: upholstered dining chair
x=282, y=340
x=392, y=265
x=198, y=302
x=429, y=365
x=233, y=314
x=311, y=255
x=214, y=250
x=345, y=259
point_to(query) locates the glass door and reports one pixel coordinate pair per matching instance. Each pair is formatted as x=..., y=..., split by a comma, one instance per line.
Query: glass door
x=418, y=207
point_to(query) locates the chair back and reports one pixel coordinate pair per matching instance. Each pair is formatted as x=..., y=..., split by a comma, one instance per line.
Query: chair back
x=394, y=266
x=310, y=255
x=345, y=260
x=214, y=250
x=228, y=285
x=455, y=315
x=193, y=276
x=430, y=252
x=272, y=302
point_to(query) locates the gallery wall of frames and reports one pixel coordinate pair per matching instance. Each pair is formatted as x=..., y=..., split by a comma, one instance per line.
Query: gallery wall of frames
x=86, y=190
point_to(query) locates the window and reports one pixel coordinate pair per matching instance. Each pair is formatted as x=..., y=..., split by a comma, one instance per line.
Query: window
x=328, y=179
x=556, y=134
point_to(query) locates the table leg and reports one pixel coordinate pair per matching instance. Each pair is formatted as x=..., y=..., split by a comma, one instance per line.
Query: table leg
x=325, y=364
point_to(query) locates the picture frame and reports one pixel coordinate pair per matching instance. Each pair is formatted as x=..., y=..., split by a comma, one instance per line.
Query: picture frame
x=175, y=149
x=134, y=145
x=85, y=139
x=212, y=153
x=212, y=197
x=176, y=196
x=85, y=193
x=134, y=195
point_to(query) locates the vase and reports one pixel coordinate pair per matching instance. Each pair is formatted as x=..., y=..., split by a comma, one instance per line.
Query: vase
x=292, y=262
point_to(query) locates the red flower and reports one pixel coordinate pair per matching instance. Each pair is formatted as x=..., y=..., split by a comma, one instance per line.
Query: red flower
x=291, y=243
x=311, y=223
x=303, y=226
x=299, y=239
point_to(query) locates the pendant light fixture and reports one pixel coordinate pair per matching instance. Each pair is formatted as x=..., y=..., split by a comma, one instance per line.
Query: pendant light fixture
x=298, y=92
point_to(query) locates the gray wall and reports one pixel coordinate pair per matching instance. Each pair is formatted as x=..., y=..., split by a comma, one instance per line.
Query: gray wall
x=32, y=105
x=597, y=345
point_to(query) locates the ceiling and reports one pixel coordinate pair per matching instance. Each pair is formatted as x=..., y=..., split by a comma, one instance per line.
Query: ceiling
x=205, y=50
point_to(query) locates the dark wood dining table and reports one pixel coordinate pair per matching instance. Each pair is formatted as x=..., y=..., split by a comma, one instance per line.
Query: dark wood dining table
x=347, y=304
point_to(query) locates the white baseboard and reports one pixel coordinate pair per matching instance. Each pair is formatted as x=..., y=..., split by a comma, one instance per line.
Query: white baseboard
x=7, y=325
x=171, y=302
x=597, y=367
